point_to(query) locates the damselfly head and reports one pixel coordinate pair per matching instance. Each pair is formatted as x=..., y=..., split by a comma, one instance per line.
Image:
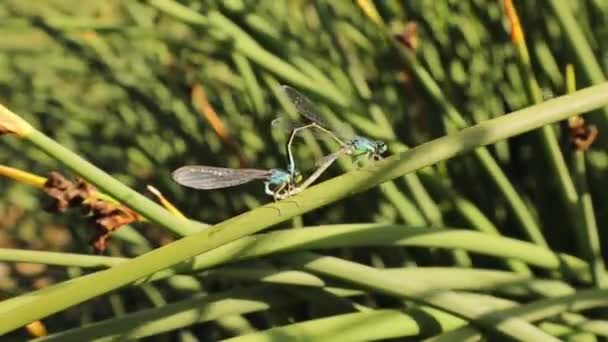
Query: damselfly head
x=380, y=147
x=296, y=176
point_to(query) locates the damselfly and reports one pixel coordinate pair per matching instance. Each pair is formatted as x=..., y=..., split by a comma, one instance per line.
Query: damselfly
x=277, y=183
x=354, y=145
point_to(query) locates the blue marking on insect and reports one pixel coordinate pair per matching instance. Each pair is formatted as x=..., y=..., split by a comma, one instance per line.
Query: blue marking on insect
x=370, y=148
x=279, y=179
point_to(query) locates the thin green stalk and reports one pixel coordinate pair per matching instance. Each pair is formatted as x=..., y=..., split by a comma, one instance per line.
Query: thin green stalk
x=406, y=209
x=448, y=301
x=251, y=83
x=589, y=224
x=548, y=63
x=154, y=295
x=578, y=43
x=548, y=138
x=581, y=323
x=580, y=48
x=487, y=162
x=427, y=207
x=565, y=332
x=187, y=312
x=535, y=311
x=240, y=41
x=332, y=236
x=362, y=326
x=116, y=304
x=176, y=315
x=434, y=278
x=266, y=274
x=330, y=191
x=473, y=216
x=588, y=236
x=59, y=259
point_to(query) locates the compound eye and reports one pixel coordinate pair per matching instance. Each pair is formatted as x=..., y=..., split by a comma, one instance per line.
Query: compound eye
x=297, y=177
x=381, y=147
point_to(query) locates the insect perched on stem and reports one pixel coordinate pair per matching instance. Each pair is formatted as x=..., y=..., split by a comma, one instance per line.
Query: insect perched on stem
x=354, y=145
x=277, y=183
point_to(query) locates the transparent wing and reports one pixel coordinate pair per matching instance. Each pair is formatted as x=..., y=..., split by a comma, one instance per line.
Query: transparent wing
x=307, y=109
x=211, y=177
x=304, y=106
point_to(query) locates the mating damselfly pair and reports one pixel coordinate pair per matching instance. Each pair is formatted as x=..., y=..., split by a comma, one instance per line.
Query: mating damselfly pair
x=280, y=183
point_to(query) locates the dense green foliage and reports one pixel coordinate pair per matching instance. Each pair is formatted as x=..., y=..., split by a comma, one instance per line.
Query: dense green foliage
x=125, y=83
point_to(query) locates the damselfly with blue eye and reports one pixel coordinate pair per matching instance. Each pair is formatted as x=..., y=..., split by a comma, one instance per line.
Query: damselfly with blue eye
x=277, y=183
x=354, y=145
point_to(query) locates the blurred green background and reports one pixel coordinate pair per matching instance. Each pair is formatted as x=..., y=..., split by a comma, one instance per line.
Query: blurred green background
x=115, y=81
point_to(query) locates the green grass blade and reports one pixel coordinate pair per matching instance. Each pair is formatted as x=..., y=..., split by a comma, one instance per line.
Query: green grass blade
x=361, y=326
x=580, y=48
x=588, y=236
x=487, y=162
x=176, y=315
x=541, y=309
x=451, y=302
x=337, y=236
